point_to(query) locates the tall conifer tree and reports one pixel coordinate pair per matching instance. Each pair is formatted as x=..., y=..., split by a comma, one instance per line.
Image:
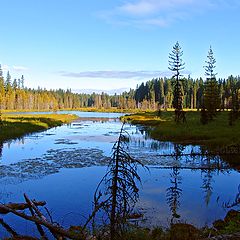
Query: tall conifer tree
x=176, y=65
x=211, y=90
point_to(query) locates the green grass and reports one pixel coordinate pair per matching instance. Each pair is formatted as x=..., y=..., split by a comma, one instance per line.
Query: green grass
x=84, y=109
x=15, y=126
x=215, y=134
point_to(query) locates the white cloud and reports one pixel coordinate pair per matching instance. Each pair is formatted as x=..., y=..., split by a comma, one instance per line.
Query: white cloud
x=155, y=22
x=20, y=68
x=5, y=67
x=99, y=91
x=148, y=7
x=116, y=74
x=161, y=13
x=138, y=8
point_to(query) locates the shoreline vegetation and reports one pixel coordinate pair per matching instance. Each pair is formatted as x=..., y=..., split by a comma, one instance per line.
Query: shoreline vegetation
x=14, y=126
x=84, y=109
x=216, y=136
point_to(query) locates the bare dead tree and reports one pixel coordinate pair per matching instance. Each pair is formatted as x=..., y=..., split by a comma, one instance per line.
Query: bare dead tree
x=116, y=195
x=235, y=202
x=119, y=186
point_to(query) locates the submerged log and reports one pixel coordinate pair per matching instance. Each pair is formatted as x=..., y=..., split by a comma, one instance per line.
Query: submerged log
x=18, y=206
x=39, y=227
x=52, y=227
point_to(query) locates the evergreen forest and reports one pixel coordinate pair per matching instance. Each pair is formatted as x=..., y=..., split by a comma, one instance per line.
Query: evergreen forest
x=154, y=94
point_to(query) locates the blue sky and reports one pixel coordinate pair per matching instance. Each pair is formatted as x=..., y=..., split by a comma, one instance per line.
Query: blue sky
x=114, y=44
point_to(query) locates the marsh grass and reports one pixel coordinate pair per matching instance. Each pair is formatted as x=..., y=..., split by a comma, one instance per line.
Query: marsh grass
x=15, y=126
x=84, y=109
x=215, y=134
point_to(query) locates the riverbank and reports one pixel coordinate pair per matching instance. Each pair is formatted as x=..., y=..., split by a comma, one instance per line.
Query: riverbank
x=14, y=126
x=215, y=135
x=85, y=109
x=227, y=229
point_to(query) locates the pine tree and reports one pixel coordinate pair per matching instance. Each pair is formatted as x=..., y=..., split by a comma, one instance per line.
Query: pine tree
x=2, y=90
x=22, y=82
x=14, y=84
x=1, y=72
x=162, y=96
x=234, y=89
x=176, y=64
x=8, y=84
x=211, y=90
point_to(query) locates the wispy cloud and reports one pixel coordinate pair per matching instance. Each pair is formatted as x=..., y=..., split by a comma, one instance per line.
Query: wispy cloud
x=116, y=74
x=5, y=67
x=20, y=68
x=159, y=12
x=99, y=91
x=149, y=7
x=15, y=68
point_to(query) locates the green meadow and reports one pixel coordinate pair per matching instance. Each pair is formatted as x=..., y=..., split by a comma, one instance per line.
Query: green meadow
x=216, y=134
x=15, y=126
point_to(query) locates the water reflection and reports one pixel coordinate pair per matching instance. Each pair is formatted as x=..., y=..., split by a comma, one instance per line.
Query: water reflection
x=181, y=179
x=207, y=176
x=1, y=148
x=174, y=193
x=235, y=202
x=221, y=158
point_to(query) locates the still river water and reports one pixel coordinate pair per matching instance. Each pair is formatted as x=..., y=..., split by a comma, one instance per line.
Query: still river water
x=63, y=166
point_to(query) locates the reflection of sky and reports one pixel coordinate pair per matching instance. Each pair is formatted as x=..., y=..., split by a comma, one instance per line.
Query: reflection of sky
x=192, y=207
x=88, y=134
x=78, y=113
x=69, y=192
x=69, y=195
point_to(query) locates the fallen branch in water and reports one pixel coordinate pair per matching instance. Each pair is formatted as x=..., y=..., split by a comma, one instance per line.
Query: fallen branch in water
x=32, y=207
x=18, y=206
x=8, y=228
x=37, y=217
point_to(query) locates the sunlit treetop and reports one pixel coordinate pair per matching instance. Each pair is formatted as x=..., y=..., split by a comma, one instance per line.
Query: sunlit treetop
x=211, y=61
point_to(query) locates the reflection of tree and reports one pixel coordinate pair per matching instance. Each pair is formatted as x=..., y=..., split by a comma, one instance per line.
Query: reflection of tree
x=178, y=150
x=207, y=176
x=118, y=187
x=235, y=202
x=116, y=195
x=207, y=185
x=174, y=193
x=1, y=147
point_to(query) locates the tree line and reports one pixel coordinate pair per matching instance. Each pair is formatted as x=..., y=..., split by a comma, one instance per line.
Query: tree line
x=15, y=96
x=159, y=93
x=180, y=92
